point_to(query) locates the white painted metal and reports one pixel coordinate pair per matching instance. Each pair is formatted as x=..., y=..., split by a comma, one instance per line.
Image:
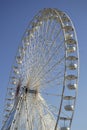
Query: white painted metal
x=64, y=128
x=69, y=108
x=46, y=65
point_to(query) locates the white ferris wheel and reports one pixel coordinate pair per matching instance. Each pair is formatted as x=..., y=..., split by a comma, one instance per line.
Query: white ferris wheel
x=42, y=89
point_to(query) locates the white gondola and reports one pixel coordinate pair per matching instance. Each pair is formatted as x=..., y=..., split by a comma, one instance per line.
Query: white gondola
x=39, y=23
x=68, y=28
x=15, y=69
x=11, y=89
x=21, y=51
x=72, y=58
x=53, y=17
x=65, y=118
x=65, y=19
x=72, y=66
x=30, y=33
x=69, y=108
x=7, y=110
x=71, y=77
x=10, y=99
x=70, y=41
x=61, y=13
x=12, y=94
x=68, y=36
x=26, y=41
x=72, y=86
x=19, y=59
x=14, y=82
x=4, y=121
x=69, y=97
x=6, y=116
x=14, y=78
x=9, y=105
x=71, y=49
x=64, y=128
x=35, y=26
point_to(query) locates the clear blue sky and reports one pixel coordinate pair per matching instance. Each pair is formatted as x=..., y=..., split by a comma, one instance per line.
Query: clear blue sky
x=14, y=18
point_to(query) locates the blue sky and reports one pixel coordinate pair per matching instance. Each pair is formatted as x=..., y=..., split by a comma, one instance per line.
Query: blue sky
x=14, y=18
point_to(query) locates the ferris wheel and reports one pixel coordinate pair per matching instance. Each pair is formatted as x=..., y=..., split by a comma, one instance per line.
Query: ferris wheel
x=42, y=88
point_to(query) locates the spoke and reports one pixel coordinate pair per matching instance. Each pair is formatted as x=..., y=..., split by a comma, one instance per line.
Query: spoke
x=49, y=70
x=44, y=66
x=46, y=55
